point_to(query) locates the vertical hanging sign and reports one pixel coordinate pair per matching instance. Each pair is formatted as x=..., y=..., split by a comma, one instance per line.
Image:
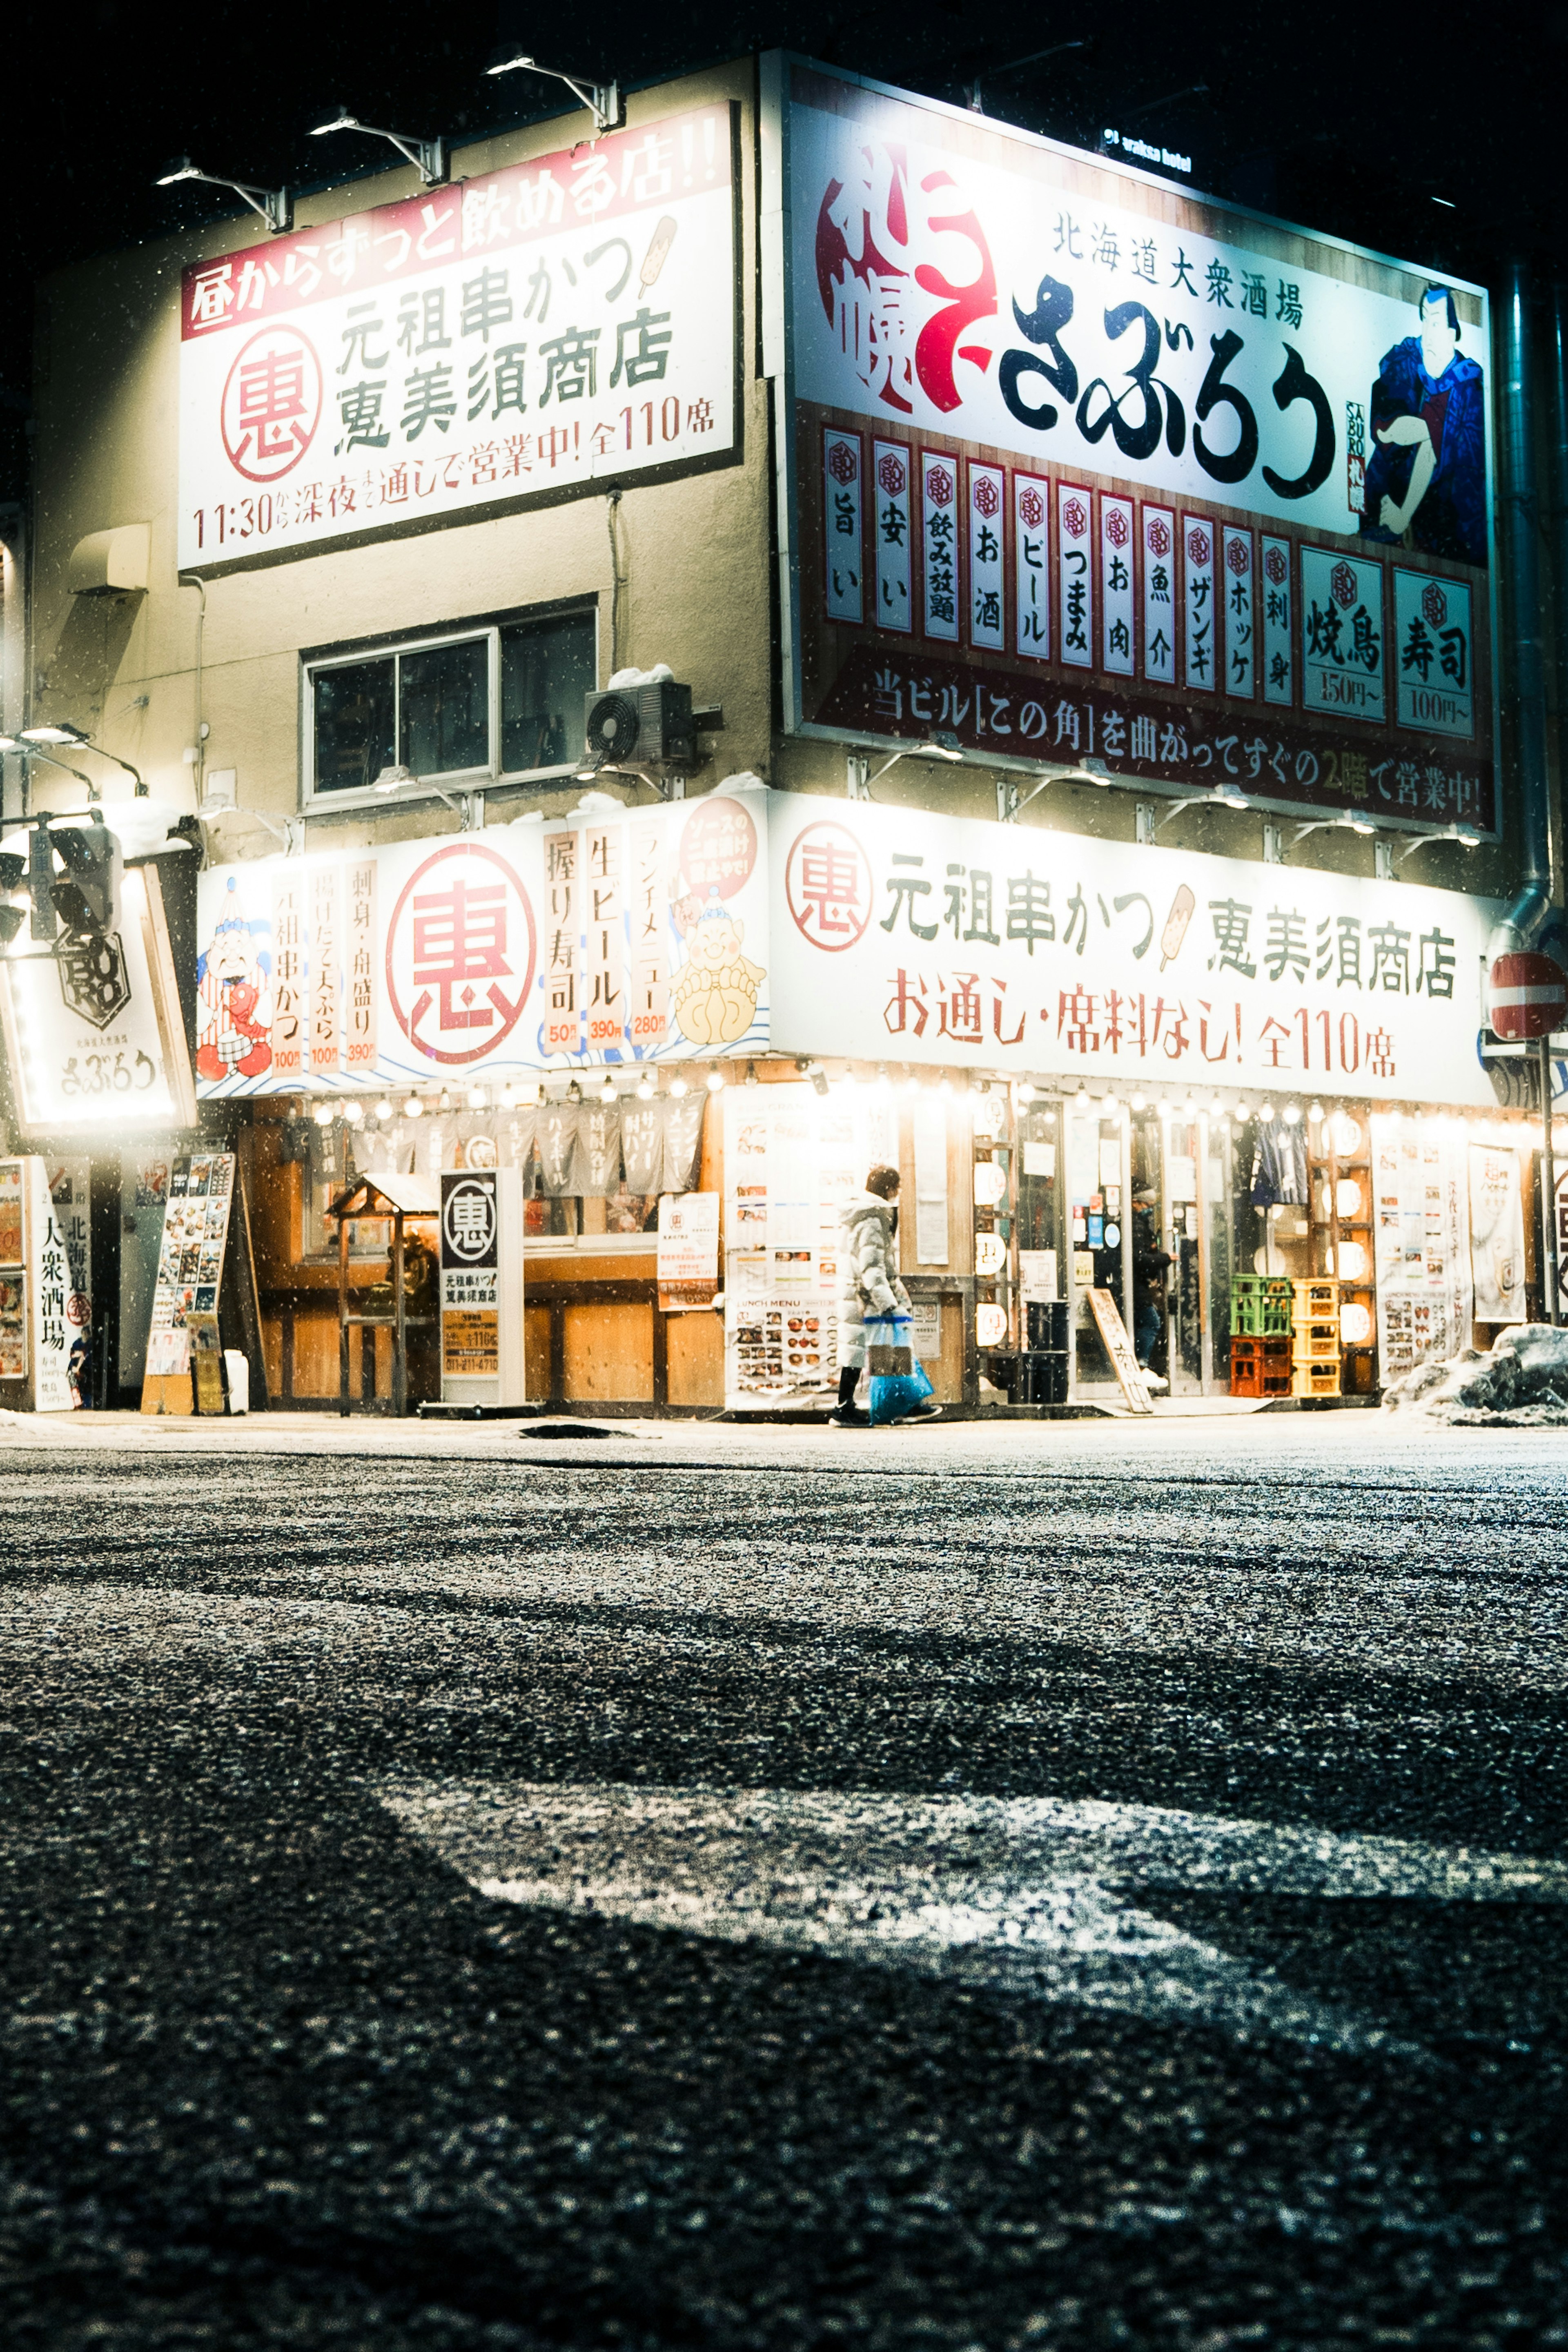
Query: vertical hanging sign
x=359, y=994
x=324, y=974
x=560, y=956
x=842, y=536
x=939, y=520
x=288, y=975
x=1077, y=570
x=1197, y=579
x=1159, y=595
x=1031, y=545
x=890, y=505
x=1240, y=637
x=1278, y=636
x=1116, y=586
x=987, y=596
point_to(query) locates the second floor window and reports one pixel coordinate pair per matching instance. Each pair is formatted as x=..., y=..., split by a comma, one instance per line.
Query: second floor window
x=503, y=699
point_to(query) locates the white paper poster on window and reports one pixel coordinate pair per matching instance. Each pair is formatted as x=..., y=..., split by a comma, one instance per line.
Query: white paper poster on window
x=1496, y=1235
x=792, y=1159
x=635, y=936
x=1420, y=1209
x=516, y=333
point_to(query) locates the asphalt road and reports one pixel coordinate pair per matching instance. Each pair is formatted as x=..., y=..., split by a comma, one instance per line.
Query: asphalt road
x=896, y=1902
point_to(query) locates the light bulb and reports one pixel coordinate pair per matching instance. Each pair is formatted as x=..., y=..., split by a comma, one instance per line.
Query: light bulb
x=911, y=1084
x=1291, y=1114
x=715, y=1080
x=1136, y=1102
x=1314, y=1112
x=508, y=1096
x=1217, y=1108
x=645, y=1088
x=413, y=1107
x=354, y=1114
x=444, y=1101
x=478, y=1098
x=945, y=1085
x=384, y=1109
x=884, y=1082
x=677, y=1088
x=322, y=1113
x=608, y=1091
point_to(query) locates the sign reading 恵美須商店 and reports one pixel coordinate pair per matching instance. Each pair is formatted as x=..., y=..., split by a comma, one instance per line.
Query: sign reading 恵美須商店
x=1082, y=466
x=511, y=335
x=898, y=935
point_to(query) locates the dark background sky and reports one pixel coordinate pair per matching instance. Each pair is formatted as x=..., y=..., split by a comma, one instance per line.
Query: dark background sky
x=1351, y=120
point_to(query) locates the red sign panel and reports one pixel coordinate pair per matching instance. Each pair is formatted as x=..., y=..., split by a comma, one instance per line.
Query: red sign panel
x=1527, y=996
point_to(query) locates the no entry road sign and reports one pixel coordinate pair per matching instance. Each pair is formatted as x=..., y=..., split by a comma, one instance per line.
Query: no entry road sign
x=1527, y=996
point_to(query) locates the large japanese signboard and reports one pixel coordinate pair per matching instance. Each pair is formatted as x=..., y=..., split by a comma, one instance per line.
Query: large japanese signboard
x=948, y=940
x=620, y=935
x=518, y=333
x=1081, y=467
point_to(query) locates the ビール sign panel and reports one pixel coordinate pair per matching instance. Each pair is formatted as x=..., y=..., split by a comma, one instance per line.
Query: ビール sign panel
x=512, y=334
x=1225, y=469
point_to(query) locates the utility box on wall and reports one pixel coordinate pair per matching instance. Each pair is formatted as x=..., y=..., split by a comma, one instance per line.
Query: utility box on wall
x=482, y=1287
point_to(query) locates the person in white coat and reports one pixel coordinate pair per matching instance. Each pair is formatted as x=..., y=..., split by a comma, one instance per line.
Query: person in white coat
x=869, y=1284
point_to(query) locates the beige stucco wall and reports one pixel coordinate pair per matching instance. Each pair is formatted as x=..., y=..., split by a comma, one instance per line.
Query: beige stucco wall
x=693, y=552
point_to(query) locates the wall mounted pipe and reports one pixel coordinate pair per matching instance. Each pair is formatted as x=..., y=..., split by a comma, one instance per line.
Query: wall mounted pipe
x=1525, y=665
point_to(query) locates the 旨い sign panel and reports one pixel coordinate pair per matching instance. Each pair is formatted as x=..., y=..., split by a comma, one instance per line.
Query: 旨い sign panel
x=513, y=334
x=627, y=935
x=1086, y=467
x=953, y=941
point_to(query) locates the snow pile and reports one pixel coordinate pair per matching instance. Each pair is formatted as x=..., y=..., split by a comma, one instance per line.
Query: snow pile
x=1520, y=1383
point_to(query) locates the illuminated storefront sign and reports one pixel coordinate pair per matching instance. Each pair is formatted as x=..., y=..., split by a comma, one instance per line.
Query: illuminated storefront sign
x=1081, y=467
x=514, y=334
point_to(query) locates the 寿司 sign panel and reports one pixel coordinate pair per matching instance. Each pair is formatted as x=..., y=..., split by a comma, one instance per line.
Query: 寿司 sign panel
x=513, y=334
x=623, y=935
x=1079, y=465
x=900, y=935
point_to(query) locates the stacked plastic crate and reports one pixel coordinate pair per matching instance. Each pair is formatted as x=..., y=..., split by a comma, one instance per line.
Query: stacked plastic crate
x=1261, y=1308
x=1315, y=1337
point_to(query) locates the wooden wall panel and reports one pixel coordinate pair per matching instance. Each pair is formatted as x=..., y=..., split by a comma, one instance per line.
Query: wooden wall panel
x=609, y=1353
x=696, y=1344
x=536, y=1354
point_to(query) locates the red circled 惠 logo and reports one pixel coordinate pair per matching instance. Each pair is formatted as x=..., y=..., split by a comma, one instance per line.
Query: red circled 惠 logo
x=828, y=885
x=271, y=403
x=460, y=950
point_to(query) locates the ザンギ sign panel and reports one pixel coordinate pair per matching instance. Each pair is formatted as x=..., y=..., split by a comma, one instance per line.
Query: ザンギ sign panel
x=516, y=333
x=1086, y=467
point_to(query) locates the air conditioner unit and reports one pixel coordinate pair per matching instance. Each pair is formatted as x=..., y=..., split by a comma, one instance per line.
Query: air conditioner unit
x=640, y=726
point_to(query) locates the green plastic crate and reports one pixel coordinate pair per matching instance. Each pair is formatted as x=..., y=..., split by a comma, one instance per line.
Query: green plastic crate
x=1261, y=1305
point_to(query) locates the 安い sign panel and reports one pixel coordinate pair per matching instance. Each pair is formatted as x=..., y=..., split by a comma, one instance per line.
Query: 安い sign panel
x=516, y=333
x=1219, y=490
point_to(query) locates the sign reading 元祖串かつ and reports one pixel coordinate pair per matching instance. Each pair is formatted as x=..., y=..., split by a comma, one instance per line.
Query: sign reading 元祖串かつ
x=514, y=333
x=1083, y=467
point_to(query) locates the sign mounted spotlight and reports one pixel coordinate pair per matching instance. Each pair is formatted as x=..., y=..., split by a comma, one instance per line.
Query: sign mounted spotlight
x=602, y=99
x=274, y=205
x=428, y=156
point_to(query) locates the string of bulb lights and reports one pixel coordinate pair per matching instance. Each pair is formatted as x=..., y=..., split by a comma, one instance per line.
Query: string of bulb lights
x=608, y=1087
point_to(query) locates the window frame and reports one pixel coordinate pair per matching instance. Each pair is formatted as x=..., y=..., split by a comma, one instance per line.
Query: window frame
x=389, y=646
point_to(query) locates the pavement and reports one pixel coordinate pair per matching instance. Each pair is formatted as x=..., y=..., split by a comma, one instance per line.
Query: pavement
x=971, y=1888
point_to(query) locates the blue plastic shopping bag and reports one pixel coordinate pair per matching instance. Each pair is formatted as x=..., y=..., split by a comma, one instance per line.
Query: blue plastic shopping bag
x=898, y=1381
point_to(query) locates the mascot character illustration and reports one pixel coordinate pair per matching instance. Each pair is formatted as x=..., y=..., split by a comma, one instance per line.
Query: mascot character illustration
x=234, y=1000
x=716, y=992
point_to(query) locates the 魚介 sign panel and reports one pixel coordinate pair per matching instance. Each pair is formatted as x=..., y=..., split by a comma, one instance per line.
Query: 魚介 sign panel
x=512, y=334
x=1081, y=466
x=900, y=935
x=623, y=935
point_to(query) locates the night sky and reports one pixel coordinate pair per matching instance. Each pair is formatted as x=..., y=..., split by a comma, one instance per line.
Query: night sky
x=1341, y=119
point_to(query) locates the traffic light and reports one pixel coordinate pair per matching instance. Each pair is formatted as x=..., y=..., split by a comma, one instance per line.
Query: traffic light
x=87, y=894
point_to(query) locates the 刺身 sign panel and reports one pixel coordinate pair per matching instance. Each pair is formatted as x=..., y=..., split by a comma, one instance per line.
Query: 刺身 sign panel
x=626, y=934
x=1082, y=466
x=512, y=334
x=902, y=936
